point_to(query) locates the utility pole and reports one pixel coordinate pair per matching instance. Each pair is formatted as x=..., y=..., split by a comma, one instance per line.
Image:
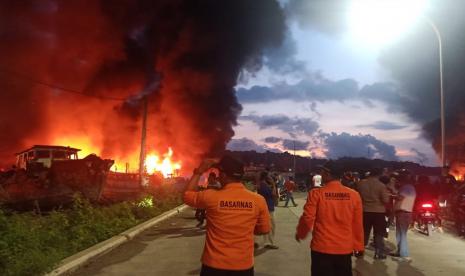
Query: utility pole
x=143, y=140
x=294, y=160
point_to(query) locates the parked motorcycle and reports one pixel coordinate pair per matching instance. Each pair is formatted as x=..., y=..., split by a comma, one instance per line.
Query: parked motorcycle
x=460, y=213
x=426, y=218
x=302, y=187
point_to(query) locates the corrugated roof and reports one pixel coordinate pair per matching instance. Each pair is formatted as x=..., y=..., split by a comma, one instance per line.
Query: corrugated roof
x=38, y=147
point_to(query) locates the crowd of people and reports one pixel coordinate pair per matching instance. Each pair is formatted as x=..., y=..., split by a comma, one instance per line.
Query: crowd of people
x=341, y=211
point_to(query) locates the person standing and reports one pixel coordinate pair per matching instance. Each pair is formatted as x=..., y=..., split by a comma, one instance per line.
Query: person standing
x=234, y=215
x=374, y=197
x=290, y=187
x=333, y=214
x=347, y=180
x=403, y=208
x=316, y=179
x=267, y=193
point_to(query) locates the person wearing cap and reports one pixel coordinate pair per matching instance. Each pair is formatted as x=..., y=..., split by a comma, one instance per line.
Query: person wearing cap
x=333, y=213
x=234, y=215
x=375, y=196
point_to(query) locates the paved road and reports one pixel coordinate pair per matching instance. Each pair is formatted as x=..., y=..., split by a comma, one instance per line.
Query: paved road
x=174, y=248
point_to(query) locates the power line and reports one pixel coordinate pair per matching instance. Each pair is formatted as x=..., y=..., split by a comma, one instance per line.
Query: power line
x=39, y=82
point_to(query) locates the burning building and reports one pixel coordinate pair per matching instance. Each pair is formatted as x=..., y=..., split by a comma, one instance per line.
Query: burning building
x=77, y=73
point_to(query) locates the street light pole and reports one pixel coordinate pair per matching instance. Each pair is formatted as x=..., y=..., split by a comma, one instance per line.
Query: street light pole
x=143, y=141
x=443, y=126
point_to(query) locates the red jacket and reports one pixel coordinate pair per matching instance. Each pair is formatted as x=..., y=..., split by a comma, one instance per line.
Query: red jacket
x=290, y=186
x=333, y=214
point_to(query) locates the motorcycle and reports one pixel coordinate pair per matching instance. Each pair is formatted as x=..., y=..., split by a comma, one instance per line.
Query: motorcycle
x=302, y=187
x=426, y=218
x=282, y=194
x=460, y=215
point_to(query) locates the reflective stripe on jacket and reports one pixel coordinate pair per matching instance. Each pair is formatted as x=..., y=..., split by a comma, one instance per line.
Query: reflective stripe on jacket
x=233, y=214
x=333, y=214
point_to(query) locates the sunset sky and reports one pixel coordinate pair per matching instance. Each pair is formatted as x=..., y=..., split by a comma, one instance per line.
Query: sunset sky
x=327, y=93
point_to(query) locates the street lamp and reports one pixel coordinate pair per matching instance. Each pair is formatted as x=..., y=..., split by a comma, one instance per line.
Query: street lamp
x=380, y=22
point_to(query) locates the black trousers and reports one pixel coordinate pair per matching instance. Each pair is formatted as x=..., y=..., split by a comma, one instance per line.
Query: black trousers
x=210, y=271
x=376, y=221
x=331, y=264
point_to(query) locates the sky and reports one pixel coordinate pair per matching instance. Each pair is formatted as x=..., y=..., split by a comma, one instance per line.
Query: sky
x=323, y=92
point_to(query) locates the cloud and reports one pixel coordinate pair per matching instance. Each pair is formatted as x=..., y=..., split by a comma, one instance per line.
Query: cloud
x=272, y=139
x=293, y=126
x=347, y=145
x=383, y=125
x=245, y=144
x=312, y=88
x=289, y=144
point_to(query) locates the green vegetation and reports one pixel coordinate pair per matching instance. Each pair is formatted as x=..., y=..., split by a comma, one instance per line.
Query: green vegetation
x=32, y=244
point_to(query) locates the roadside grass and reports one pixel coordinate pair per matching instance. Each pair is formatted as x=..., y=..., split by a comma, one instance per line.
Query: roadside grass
x=32, y=244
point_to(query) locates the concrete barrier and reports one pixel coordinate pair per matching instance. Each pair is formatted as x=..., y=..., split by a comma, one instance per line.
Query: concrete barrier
x=79, y=259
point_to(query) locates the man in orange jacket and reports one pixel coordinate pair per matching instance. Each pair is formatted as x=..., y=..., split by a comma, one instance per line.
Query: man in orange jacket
x=234, y=215
x=333, y=214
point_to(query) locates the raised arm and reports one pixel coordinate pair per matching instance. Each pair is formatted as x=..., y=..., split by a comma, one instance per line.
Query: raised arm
x=191, y=196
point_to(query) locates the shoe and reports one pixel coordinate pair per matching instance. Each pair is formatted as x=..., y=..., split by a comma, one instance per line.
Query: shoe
x=295, y=205
x=405, y=259
x=271, y=246
x=395, y=255
x=256, y=245
x=380, y=257
x=200, y=224
x=359, y=254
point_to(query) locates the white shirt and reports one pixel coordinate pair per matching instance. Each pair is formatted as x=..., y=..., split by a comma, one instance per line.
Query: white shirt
x=316, y=180
x=408, y=193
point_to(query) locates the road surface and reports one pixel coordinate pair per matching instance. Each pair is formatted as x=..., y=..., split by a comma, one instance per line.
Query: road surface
x=174, y=247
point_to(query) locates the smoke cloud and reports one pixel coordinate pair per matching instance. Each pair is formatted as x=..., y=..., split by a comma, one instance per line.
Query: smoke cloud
x=347, y=145
x=184, y=56
x=413, y=62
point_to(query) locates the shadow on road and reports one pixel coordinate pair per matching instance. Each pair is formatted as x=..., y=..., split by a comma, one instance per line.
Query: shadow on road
x=119, y=255
x=378, y=268
x=194, y=272
x=174, y=233
x=407, y=269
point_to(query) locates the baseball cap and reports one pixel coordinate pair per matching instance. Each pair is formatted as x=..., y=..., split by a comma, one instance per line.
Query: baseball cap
x=230, y=166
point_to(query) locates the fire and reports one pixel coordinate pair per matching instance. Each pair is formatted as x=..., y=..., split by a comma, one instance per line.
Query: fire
x=81, y=142
x=153, y=163
x=458, y=171
x=166, y=166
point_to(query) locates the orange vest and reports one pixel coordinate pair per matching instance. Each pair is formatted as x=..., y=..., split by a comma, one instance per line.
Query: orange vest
x=234, y=214
x=333, y=214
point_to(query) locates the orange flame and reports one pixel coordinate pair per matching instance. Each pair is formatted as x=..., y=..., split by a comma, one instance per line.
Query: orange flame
x=458, y=171
x=166, y=166
x=153, y=163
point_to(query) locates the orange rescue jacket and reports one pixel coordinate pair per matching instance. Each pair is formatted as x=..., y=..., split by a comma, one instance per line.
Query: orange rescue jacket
x=234, y=214
x=333, y=214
